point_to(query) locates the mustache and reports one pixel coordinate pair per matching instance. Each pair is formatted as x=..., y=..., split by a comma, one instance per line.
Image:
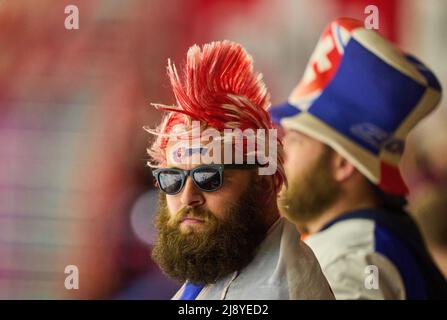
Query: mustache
x=192, y=213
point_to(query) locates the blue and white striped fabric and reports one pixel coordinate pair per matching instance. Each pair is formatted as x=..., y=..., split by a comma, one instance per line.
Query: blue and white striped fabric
x=390, y=241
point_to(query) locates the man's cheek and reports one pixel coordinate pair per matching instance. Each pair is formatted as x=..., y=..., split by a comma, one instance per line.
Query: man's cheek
x=173, y=204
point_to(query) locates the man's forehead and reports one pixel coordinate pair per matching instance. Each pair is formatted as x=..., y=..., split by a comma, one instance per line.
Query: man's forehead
x=187, y=151
x=232, y=146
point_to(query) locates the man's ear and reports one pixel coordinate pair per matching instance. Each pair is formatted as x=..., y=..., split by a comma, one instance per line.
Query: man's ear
x=342, y=169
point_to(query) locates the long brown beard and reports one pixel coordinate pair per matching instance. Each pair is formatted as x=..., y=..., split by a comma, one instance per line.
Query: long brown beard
x=311, y=193
x=224, y=247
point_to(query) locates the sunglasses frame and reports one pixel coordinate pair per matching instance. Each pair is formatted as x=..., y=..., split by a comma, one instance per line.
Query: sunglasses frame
x=185, y=173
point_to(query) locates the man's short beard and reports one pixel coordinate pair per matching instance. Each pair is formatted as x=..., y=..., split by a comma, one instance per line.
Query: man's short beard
x=309, y=194
x=222, y=248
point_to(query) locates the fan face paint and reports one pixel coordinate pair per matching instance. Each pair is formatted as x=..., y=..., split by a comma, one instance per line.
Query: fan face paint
x=183, y=151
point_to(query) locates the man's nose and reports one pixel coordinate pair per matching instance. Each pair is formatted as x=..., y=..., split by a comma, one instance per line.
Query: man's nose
x=191, y=195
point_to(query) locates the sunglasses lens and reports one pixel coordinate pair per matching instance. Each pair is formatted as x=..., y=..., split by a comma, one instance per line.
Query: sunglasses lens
x=208, y=179
x=170, y=181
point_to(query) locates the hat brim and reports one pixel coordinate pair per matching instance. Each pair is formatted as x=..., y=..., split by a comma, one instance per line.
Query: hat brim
x=282, y=111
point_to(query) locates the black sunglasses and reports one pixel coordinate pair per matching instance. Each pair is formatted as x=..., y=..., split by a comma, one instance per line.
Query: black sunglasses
x=207, y=177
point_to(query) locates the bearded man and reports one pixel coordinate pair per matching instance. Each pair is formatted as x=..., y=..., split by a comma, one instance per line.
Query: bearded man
x=345, y=125
x=219, y=226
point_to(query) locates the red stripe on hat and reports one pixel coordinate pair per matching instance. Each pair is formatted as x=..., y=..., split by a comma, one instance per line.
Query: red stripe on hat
x=325, y=50
x=391, y=180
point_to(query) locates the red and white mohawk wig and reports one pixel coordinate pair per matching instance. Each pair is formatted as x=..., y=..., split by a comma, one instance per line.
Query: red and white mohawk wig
x=220, y=89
